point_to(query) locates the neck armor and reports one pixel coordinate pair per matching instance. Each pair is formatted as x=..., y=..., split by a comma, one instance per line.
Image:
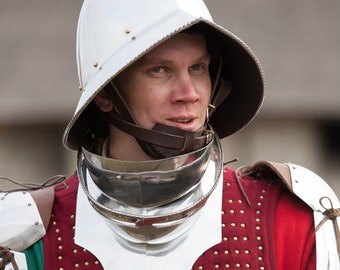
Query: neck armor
x=150, y=204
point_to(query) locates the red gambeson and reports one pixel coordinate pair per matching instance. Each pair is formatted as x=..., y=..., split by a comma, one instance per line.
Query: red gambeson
x=275, y=231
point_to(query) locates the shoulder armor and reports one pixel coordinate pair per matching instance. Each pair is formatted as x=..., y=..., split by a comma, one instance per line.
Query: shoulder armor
x=316, y=193
x=321, y=198
x=20, y=221
x=25, y=216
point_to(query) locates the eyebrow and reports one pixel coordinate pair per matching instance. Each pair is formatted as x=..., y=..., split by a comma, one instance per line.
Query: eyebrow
x=148, y=60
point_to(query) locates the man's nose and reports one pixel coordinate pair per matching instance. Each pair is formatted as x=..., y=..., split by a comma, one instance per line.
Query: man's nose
x=185, y=89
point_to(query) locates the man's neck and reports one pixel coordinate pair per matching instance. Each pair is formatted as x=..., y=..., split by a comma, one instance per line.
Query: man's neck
x=125, y=147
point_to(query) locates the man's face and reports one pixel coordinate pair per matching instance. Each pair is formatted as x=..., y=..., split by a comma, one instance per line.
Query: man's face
x=170, y=84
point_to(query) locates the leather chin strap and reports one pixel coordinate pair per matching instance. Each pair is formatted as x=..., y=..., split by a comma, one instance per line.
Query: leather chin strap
x=166, y=141
x=160, y=142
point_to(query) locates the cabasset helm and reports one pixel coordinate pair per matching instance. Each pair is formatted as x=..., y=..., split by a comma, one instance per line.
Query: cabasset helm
x=112, y=35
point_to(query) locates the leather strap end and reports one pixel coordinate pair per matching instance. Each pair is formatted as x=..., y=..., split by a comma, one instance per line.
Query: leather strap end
x=44, y=199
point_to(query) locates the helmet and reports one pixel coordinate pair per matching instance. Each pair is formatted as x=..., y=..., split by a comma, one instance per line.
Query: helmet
x=111, y=36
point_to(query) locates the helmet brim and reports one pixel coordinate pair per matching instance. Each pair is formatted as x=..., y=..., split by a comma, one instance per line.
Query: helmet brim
x=240, y=66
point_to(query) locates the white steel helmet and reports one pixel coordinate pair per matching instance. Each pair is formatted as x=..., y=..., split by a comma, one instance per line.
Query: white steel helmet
x=112, y=35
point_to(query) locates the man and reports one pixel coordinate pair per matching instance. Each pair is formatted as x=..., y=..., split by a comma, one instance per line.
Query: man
x=161, y=82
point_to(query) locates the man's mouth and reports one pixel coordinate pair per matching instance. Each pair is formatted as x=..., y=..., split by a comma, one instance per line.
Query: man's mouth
x=182, y=121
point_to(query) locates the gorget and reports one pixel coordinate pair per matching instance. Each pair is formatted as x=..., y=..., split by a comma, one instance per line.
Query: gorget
x=93, y=233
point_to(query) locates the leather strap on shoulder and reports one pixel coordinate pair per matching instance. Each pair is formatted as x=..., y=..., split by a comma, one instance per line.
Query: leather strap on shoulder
x=44, y=198
x=268, y=169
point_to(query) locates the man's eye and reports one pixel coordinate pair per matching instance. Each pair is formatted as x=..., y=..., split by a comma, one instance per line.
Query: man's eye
x=157, y=69
x=196, y=67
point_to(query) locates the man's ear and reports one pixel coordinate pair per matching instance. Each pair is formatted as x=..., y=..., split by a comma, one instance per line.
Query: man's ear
x=103, y=102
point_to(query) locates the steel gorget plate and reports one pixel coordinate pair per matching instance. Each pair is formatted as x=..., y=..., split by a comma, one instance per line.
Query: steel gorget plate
x=157, y=225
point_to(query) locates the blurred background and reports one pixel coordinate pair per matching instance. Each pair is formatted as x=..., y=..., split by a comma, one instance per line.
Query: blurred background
x=298, y=43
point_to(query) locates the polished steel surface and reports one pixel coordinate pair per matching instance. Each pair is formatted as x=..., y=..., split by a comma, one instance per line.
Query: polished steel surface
x=159, y=227
x=148, y=183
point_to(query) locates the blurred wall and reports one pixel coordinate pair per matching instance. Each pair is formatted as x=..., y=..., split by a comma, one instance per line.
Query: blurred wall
x=297, y=42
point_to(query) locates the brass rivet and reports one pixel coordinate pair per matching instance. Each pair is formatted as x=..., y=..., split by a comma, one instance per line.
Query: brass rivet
x=127, y=31
x=95, y=64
